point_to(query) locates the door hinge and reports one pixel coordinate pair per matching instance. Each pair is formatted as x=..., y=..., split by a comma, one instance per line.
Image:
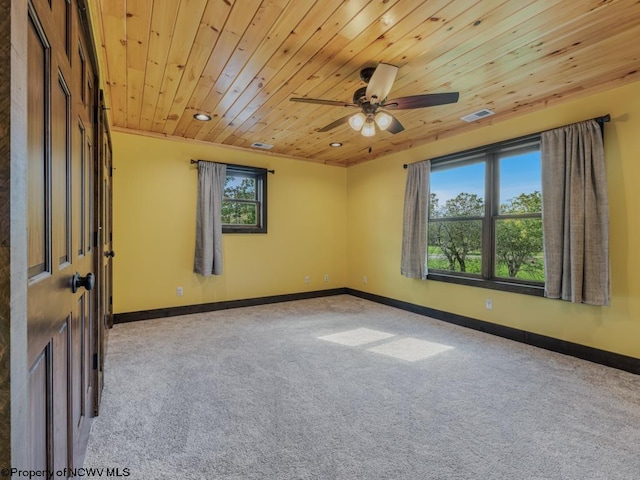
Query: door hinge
x=110, y=299
x=95, y=361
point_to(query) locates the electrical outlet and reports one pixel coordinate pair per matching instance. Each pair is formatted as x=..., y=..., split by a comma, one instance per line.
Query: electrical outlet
x=488, y=303
x=326, y=278
x=307, y=279
x=365, y=279
x=179, y=291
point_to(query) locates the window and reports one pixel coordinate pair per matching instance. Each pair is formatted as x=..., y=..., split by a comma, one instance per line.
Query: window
x=485, y=217
x=244, y=207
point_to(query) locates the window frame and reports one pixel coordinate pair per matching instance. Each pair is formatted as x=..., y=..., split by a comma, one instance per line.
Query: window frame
x=490, y=155
x=260, y=175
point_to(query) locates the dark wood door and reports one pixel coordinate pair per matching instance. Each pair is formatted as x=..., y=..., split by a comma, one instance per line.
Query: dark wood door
x=105, y=239
x=62, y=241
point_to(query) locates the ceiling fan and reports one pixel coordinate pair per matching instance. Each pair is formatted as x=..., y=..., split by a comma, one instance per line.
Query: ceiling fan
x=373, y=103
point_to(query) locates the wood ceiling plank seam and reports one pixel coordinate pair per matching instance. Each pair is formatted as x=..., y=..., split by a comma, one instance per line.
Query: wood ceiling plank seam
x=621, y=78
x=163, y=18
x=227, y=37
x=562, y=51
x=617, y=78
x=363, y=49
x=407, y=117
x=211, y=26
x=407, y=23
x=490, y=52
x=317, y=41
x=321, y=61
x=345, y=69
x=518, y=64
x=553, y=83
x=114, y=26
x=412, y=79
x=96, y=22
x=485, y=54
x=319, y=111
x=247, y=105
x=253, y=37
x=181, y=44
x=138, y=26
x=443, y=59
x=275, y=39
x=412, y=90
x=237, y=21
x=272, y=69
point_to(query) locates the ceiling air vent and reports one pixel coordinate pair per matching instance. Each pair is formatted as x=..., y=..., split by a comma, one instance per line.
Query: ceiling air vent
x=263, y=146
x=472, y=117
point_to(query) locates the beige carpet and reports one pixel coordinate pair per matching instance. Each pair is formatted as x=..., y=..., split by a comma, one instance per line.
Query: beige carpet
x=342, y=388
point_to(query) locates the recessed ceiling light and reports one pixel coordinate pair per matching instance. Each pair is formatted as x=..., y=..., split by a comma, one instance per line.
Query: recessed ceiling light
x=203, y=117
x=335, y=144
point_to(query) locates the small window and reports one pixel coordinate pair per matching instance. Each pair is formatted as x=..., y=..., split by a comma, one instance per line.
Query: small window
x=485, y=217
x=244, y=207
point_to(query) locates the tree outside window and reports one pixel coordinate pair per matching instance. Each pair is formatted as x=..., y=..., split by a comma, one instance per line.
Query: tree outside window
x=244, y=202
x=485, y=215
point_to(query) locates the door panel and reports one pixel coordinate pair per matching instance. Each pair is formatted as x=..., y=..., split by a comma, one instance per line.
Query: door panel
x=61, y=170
x=61, y=399
x=63, y=331
x=38, y=415
x=38, y=168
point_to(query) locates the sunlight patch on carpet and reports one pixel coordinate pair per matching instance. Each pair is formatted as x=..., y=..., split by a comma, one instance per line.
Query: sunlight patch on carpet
x=410, y=349
x=356, y=337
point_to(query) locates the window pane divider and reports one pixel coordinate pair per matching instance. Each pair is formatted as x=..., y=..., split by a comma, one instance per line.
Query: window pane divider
x=516, y=216
x=454, y=219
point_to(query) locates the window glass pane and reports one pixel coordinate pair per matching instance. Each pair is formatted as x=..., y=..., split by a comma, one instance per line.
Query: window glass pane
x=239, y=213
x=240, y=186
x=518, y=251
x=458, y=191
x=455, y=246
x=520, y=183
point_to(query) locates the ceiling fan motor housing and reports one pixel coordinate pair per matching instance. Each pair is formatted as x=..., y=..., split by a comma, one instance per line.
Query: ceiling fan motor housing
x=359, y=95
x=367, y=73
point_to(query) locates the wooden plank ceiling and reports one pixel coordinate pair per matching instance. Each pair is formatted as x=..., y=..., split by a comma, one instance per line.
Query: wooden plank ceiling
x=240, y=61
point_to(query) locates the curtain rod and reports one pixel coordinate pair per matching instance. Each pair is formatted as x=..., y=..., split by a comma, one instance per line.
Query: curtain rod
x=233, y=165
x=601, y=120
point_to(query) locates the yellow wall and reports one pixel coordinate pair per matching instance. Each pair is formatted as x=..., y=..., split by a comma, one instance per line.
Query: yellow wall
x=347, y=223
x=375, y=195
x=154, y=227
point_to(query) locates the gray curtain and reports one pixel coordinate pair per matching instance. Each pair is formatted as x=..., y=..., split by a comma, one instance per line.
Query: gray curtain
x=415, y=221
x=208, y=257
x=575, y=214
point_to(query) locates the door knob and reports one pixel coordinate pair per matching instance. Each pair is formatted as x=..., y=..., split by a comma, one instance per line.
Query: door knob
x=110, y=253
x=87, y=282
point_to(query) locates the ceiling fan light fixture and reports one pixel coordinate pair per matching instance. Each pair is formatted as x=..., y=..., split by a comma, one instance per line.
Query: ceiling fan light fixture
x=357, y=121
x=368, y=129
x=383, y=120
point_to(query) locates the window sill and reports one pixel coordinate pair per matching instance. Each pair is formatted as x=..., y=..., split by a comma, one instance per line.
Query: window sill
x=502, y=285
x=226, y=230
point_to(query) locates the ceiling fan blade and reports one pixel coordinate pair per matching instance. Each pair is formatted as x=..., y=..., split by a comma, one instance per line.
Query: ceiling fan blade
x=337, y=123
x=395, y=127
x=319, y=101
x=381, y=81
x=421, y=101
